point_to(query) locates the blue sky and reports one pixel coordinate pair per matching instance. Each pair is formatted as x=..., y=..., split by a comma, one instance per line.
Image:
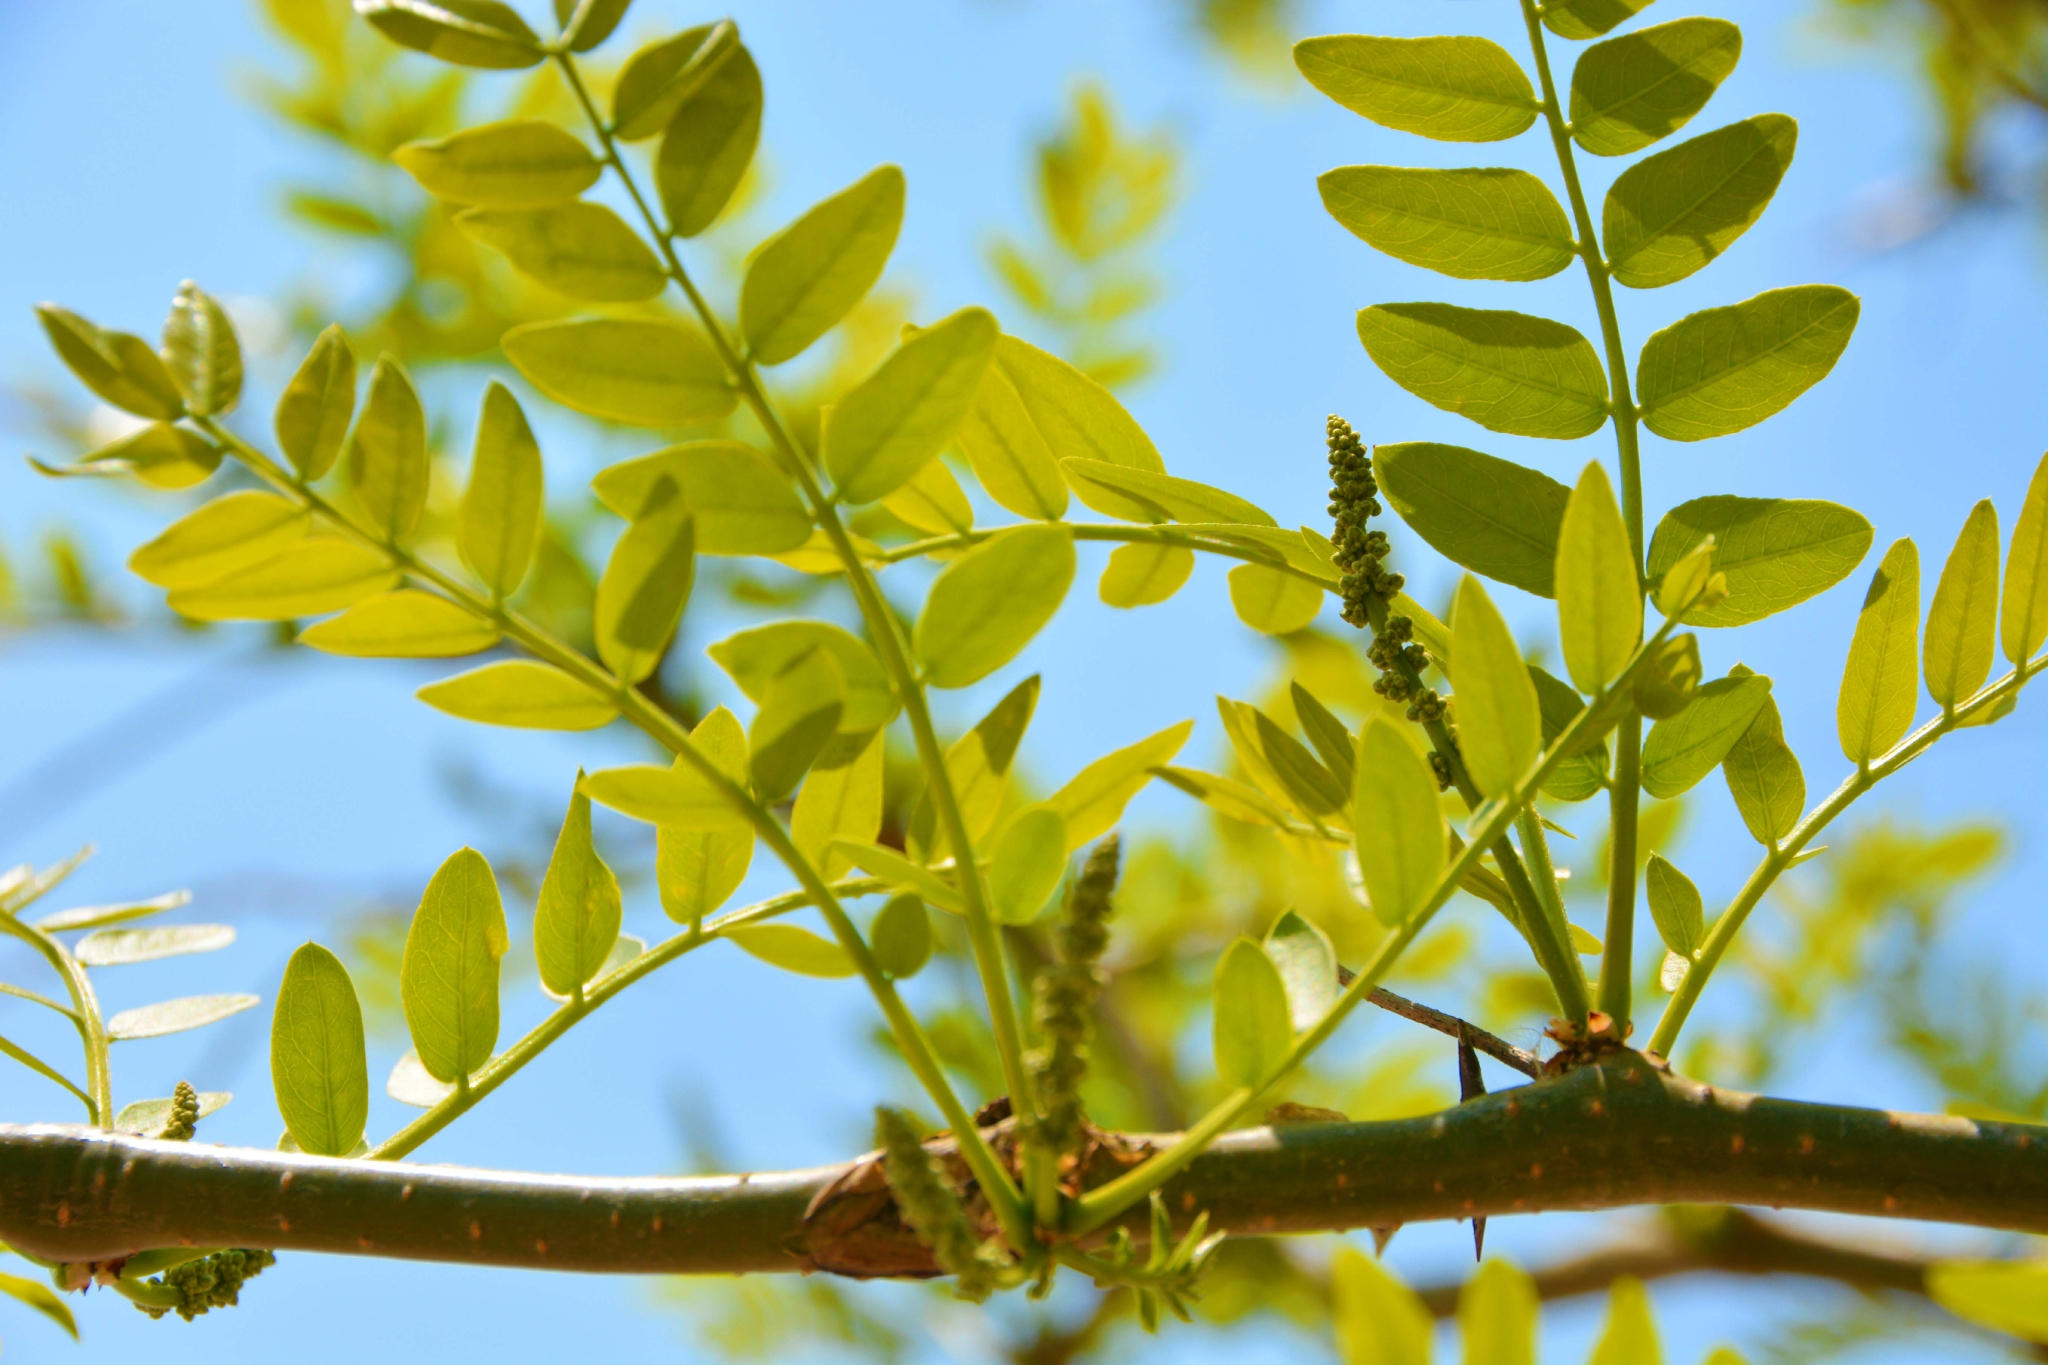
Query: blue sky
x=135, y=164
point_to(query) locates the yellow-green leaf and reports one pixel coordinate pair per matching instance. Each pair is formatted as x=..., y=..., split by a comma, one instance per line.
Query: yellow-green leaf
x=406, y=624
x=1630, y=91
x=582, y=250
x=793, y=949
x=646, y=584
x=1378, y=1319
x=586, y=23
x=1093, y=800
x=1025, y=868
x=1581, y=19
x=1964, y=616
x=388, y=462
x=1510, y=372
x=795, y=723
x=1497, y=1312
x=499, y=525
x=161, y=455
x=1142, y=575
x=123, y=947
x=978, y=767
x=897, y=870
x=309, y=577
x=231, y=532
x=660, y=76
x=1500, y=732
x=576, y=917
x=901, y=936
x=1397, y=825
x=201, y=352
x=810, y=275
x=1630, y=1337
x=1252, y=1028
x=482, y=33
x=146, y=1118
x=1273, y=601
x=314, y=412
x=932, y=501
x=1076, y=417
x=709, y=142
x=1490, y=515
x=1879, y=688
x=318, y=1066
x=742, y=503
x=1774, y=552
x=1673, y=213
x=2024, y=623
x=1011, y=458
x=1676, y=907
x=2005, y=1296
x=518, y=164
x=523, y=694
x=988, y=604
x=900, y=416
x=38, y=1295
x=118, y=366
x=448, y=978
x=637, y=371
x=1490, y=224
x=1722, y=370
x=1452, y=89
x=698, y=868
x=176, y=1016
x=1148, y=495
x=841, y=799
x=1764, y=777
x=755, y=658
x=1599, y=599
x=1682, y=750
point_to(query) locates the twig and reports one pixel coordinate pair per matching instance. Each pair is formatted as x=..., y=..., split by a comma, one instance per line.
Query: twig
x=1501, y=1050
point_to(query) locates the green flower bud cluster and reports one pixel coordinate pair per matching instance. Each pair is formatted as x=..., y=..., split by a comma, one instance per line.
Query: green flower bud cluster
x=1066, y=996
x=930, y=1205
x=184, y=1119
x=212, y=1281
x=1354, y=499
x=1170, y=1271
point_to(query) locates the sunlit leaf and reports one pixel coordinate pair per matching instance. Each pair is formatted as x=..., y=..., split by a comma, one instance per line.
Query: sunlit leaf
x=1453, y=89
x=1308, y=968
x=1764, y=778
x=481, y=33
x=1490, y=224
x=743, y=505
x=1630, y=1337
x=1492, y=516
x=1397, y=826
x=313, y=413
x=576, y=917
x=201, y=352
x=1774, y=552
x=39, y=1296
x=1580, y=19
x=1025, y=867
x=1629, y=92
x=1497, y=1311
x=1879, y=683
x=1011, y=457
x=755, y=658
x=1499, y=732
x=633, y=370
x=2005, y=1296
x=231, y=532
x=523, y=694
x=317, y=1063
x=518, y=164
x=146, y=1118
x=901, y=936
x=1252, y=1028
x=698, y=869
x=98, y=916
x=795, y=723
x=115, y=947
x=388, y=462
x=793, y=949
x=118, y=366
x=1272, y=601
x=585, y=251
x=499, y=526
x=175, y=1016
x=1676, y=907
x=840, y=800
x=1682, y=750
x=1964, y=615
x=449, y=977
x=646, y=584
x=1378, y=1319
x=406, y=624
x=989, y=603
x=587, y=23
x=809, y=276
x=1673, y=213
x=1510, y=372
x=1143, y=575
x=658, y=78
x=904, y=413
x=709, y=142
x=1725, y=369
x=932, y=501
x=1599, y=599
x=2023, y=623
x=309, y=577
x=1124, y=492
x=1093, y=800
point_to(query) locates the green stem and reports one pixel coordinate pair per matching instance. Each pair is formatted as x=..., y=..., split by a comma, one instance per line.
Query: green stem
x=1099, y=1206
x=875, y=610
x=1779, y=859
x=85, y=1017
x=1624, y=792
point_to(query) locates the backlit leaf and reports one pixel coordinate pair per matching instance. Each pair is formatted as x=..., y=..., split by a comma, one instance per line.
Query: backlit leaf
x=633, y=370
x=309, y=577
x=1451, y=89
x=755, y=658
x=1308, y=968
x=1075, y=417
x=39, y=1296
x=1491, y=224
x=1599, y=600
x=576, y=917
x=231, y=532
x=387, y=454
x=988, y=604
x=932, y=501
x=904, y=413
x=482, y=33
x=709, y=142
x=1676, y=906
x=118, y=366
x=1093, y=800
x=897, y=870
x=1230, y=798
x=449, y=976
x=146, y=1118
x=1397, y=825
x=1964, y=616
x=410, y=1084
x=809, y=276
x=794, y=724
x=317, y=1063
x=978, y=767
x=160, y=455
x=1630, y=1337
x=1510, y=372
x=1492, y=516
x=1010, y=456
x=1273, y=601
x=117, y=947
x=698, y=869
x=1581, y=19
x=1147, y=495
x=1252, y=1028
x=1497, y=1311
x=676, y=797
x=1333, y=743
x=1143, y=575
x=1774, y=552
x=176, y=1016
x=499, y=525
x=586, y=23
x=793, y=949
x=841, y=799
x=1724, y=369
x=742, y=503
x=1763, y=776
x=97, y=916
x=1673, y=213
x=523, y=694
x=584, y=251
x=201, y=352
x=313, y=414
x=1629, y=92
x=1879, y=686
x=1499, y=732
x=1378, y=1319
x=518, y=164
x=2005, y=1296
x=2023, y=624
x=901, y=936
x=1682, y=750
x=660, y=76
x=1025, y=867
x=406, y=624
x=646, y=584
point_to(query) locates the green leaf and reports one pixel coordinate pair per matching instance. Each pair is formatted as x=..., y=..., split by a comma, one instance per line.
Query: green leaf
x=201, y=352
x=1075, y=417
x=481, y=33
x=793, y=949
x=841, y=799
x=742, y=503
x=1630, y=1337
x=1093, y=800
x=1378, y=1319
x=118, y=366
x=317, y=1063
x=584, y=251
x=449, y=976
x=1304, y=549
x=932, y=501
x=675, y=797
x=1011, y=458
x=1144, y=575
x=904, y=413
x=1631, y=91
x=892, y=867
x=1253, y=1031
x=799, y=718
x=146, y=1118
x=97, y=916
x=2005, y=1296
x=660, y=76
x=1333, y=743
x=231, y=532
x=698, y=869
x=1764, y=778
x=978, y=767
x=1272, y=601
x=1599, y=600
x=901, y=936
x=1726, y=369
x=39, y=1296
x=1497, y=1312
x=2024, y=624
x=988, y=604
x=1669, y=678
x=708, y=143
x=586, y=23
x=1491, y=224
x=1676, y=906
x=176, y=1016
x=1510, y=372
x=522, y=163
x=755, y=658
x=637, y=371
x=499, y=525
x=1876, y=705
x=1397, y=825
x=1964, y=616
x=576, y=918
x=646, y=584
x=1231, y=798
x=809, y=276
x=1308, y=969
x=406, y=624
x=314, y=412
x=309, y=577
x=388, y=463
x=1451, y=89
x=161, y=455
x=1581, y=19
x=1673, y=213
x=1489, y=515
x=523, y=694
x=1499, y=731
x=1025, y=868
x=1682, y=750
x=1147, y=495
x=44, y=1069
x=118, y=947
x=1774, y=552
